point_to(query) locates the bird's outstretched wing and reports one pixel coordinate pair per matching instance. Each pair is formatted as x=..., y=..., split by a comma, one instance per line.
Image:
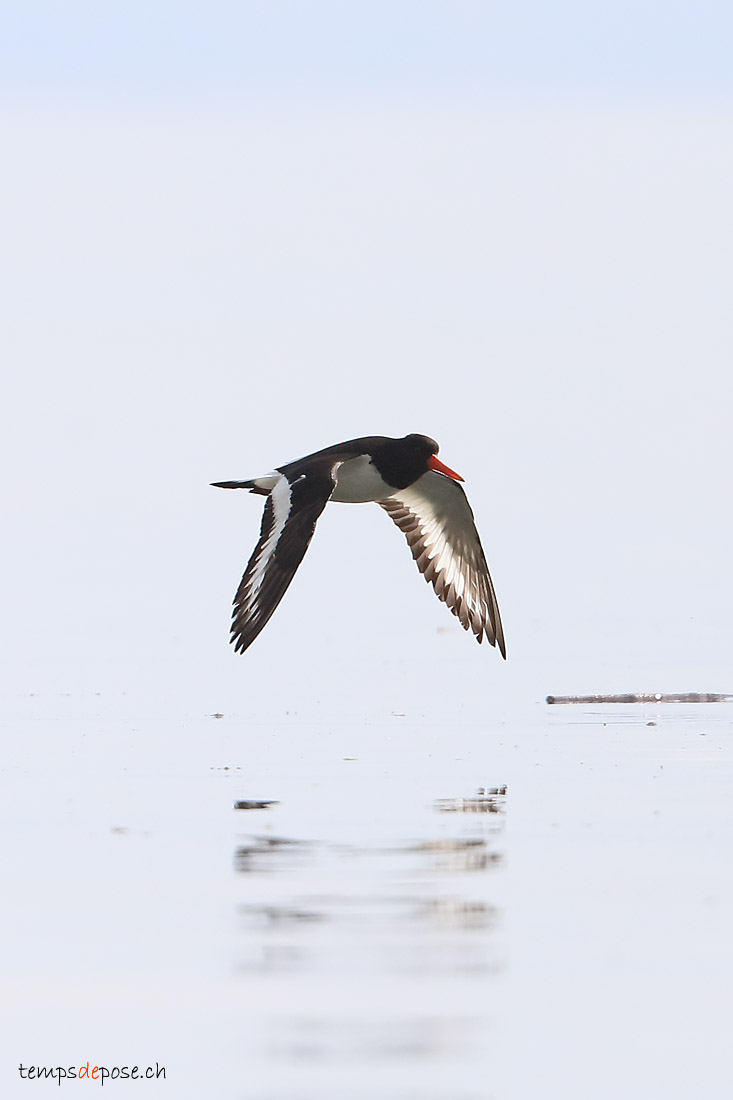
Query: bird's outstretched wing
x=437, y=521
x=288, y=523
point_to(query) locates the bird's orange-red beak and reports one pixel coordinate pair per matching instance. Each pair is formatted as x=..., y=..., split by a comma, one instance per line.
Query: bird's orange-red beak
x=436, y=464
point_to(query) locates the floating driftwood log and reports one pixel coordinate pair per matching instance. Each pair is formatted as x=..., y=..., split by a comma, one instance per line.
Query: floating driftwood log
x=645, y=697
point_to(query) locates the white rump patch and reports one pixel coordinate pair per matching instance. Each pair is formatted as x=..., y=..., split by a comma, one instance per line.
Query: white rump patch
x=267, y=481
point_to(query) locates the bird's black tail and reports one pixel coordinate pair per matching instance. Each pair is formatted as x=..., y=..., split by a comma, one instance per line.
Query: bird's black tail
x=241, y=485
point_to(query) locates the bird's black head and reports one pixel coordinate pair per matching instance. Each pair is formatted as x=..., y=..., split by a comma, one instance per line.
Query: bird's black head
x=403, y=461
x=420, y=445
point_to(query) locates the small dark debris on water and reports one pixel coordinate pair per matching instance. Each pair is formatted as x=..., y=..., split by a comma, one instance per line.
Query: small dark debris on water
x=255, y=803
x=645, y=697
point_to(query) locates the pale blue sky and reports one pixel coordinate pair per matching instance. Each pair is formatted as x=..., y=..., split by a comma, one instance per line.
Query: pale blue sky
x=173, y=49
x=344, y=205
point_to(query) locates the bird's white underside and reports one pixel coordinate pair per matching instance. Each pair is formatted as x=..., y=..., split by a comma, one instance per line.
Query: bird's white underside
x=357, y=481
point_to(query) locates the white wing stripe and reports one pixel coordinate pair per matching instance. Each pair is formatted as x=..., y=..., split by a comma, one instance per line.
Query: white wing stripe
x=280, y=496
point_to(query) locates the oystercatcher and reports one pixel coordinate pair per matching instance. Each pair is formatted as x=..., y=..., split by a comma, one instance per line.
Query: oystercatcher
x=407, y=479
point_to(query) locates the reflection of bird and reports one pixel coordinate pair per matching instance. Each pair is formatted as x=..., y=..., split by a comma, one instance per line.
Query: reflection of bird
x=413, y=486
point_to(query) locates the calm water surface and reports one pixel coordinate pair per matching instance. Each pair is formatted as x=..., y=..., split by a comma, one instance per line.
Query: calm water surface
x=379, y=929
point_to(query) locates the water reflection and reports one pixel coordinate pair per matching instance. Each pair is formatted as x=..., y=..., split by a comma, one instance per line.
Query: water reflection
x=380, y=951
x=268, y=853
x=423, y=1037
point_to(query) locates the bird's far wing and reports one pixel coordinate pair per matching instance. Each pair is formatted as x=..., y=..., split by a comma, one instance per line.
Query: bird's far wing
x=288, y=523
x=437, y=521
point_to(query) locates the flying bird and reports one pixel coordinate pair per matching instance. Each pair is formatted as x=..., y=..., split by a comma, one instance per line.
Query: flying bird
x=407, y=479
